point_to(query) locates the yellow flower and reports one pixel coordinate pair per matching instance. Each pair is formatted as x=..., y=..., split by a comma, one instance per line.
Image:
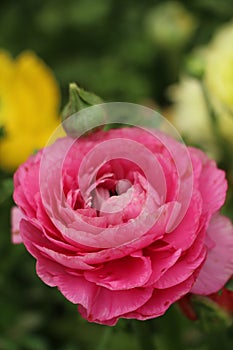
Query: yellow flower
x=29, y=107
x=219, y=77
x=189, y=112
x=219, y=70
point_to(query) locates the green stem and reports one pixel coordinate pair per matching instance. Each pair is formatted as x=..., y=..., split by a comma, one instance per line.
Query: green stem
x=144, y=335
x=103, y=344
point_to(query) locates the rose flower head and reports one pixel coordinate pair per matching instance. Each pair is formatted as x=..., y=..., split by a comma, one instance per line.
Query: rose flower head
x=124, y=222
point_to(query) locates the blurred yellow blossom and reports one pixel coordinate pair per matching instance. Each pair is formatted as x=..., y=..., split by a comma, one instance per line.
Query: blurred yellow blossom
x=190, y=115
x=219, y=70
x=219, y=77
x=190, y=112
x=29, y=106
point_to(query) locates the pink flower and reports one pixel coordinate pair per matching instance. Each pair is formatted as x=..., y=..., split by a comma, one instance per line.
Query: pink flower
x=125, y=222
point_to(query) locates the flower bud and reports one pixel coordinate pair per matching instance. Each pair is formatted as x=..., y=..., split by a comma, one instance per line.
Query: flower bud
x=76, y=124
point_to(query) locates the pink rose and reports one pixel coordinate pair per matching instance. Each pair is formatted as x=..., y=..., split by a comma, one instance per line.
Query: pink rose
x=124, y=222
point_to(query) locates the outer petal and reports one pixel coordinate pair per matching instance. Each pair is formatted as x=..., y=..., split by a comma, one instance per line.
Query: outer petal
x=100, y=303
x=161, y=261
x=16, y=216
x=218, y=266
x=112, y=322
x=180, y=272
x=38, y=245
x=212, y=184
x=185, y=233
x=161, y=300
x=26, y=183
x=126, y=273
x=47, y=270
x=96, y=304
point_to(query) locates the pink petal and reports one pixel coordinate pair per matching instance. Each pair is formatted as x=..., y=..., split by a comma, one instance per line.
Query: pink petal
x=47, y=270
x=77, y=289
x=38, y=245
x=129, y=272
x=161, y=300
x=184, y=235
x=100, y=304
x=71, y=261
x=16, y=216
x=189, y=263
x=26, y=183
x=212, y=184
x=161, y=261
x=120, y=251
x=180, y=272
x=84, y=314
x=218, y=266
x=71, y=224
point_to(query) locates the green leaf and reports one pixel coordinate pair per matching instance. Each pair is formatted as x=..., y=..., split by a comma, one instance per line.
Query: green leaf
x=6, y=189
x=88, y=98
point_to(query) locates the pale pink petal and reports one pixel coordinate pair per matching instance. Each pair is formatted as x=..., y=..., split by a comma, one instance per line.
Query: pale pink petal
x=155, y=233
x=71, y=261
x=16, y=216
x=218, y=267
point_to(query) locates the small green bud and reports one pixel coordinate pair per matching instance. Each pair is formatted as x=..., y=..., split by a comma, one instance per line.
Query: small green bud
x=79, y=99
x=77, y=124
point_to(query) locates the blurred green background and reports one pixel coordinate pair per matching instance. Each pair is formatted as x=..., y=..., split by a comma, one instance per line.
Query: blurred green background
x=125, y=50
